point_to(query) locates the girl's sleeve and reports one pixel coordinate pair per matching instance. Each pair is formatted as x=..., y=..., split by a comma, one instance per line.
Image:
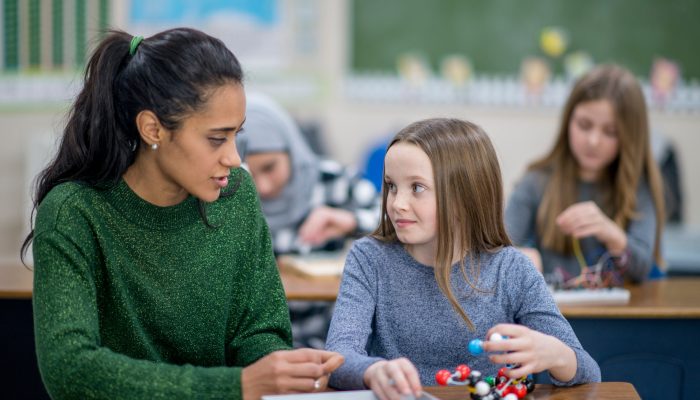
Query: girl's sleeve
x=521, y=212
x=71, y=358
x=351, y=326
x=535, y=308
x=640, y=237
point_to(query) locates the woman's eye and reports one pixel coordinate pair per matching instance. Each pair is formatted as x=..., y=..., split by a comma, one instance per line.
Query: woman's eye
x=217, y=141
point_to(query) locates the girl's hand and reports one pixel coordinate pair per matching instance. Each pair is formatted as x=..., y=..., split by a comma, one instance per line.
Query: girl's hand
x=289, y=371
x=325, y=223
x=391, y=380
x=531, y=351
x=586, y=219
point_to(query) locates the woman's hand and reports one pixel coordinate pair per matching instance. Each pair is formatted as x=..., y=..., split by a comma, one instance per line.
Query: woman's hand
x=531, y=352
x=325, y=223
x=586, y=219
x=391, y=380
x=289, y=371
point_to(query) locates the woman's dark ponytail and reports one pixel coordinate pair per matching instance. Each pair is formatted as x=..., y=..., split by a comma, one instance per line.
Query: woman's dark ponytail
x=170, y=73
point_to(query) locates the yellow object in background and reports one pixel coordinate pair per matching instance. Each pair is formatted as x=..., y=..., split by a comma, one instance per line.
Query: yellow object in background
x=457, y=69
x=553, y=41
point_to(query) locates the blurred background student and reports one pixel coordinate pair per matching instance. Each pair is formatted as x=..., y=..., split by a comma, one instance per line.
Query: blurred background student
x=310, y=204
x=599, y=189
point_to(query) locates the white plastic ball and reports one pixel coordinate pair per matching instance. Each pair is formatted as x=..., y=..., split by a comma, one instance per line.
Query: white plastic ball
x=482, y=388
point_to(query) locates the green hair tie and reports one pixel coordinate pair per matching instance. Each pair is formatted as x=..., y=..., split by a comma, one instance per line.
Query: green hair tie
x=135, y=41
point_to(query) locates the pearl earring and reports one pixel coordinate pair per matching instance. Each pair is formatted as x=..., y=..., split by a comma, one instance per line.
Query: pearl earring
x=154, y=146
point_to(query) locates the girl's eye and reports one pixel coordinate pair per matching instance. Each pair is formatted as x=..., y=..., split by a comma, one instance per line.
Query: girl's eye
x=390, y=186
x=217, y=141
x=610, y=133
x=583, y=124
x=418, y=189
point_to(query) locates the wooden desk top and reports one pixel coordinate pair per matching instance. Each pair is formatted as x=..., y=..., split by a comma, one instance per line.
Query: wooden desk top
x=666, y=298
x=601, y=391
x=16, y=282
x=300, y=287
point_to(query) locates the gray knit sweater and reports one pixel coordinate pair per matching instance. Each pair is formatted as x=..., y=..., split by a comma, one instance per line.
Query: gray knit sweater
x=521, y=213
x=390, y=306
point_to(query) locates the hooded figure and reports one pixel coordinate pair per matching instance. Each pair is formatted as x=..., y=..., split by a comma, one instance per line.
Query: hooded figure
x=270, y=129
x=309, y=203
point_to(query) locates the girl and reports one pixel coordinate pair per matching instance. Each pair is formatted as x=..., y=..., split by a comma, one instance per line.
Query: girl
x=154, y=272
x=439, y=271
x=599, y=185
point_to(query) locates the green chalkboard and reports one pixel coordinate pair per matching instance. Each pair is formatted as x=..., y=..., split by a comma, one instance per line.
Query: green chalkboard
x=497, y=35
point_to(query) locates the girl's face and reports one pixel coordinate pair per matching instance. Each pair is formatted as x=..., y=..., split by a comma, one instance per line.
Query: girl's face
x=271, y=172
x=593, y=137
x=411, y=202
x=198, y=157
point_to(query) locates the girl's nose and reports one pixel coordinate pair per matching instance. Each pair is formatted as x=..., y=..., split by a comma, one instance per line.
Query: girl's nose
x=400, y=201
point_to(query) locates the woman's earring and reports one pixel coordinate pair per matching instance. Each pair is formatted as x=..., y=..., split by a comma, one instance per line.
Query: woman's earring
x=154, y=146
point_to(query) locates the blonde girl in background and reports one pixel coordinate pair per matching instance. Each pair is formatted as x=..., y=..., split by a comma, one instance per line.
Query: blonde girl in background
x=598, y=189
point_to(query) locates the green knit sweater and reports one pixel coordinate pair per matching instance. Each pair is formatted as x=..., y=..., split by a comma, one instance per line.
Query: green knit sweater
x=133, y=300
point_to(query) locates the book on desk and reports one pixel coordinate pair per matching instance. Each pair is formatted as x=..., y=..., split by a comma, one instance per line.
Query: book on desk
x=602, y=296
x=314, y=265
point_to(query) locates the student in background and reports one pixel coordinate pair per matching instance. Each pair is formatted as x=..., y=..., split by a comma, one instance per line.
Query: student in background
x=154, y=270
x=310, y=204
x=598, y=188
x=439, y=271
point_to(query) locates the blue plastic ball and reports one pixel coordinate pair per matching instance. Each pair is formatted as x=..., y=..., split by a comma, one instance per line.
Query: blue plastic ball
x=476, y=347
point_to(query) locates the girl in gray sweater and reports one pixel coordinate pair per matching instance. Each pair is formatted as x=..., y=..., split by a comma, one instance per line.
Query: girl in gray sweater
x=598, y=189
x=439, y=271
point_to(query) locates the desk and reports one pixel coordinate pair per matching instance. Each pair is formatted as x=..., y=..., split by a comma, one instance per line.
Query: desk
x=650, y=342
x=599, y=391
x=652, y=339
x=18, y=367
x=16, y=282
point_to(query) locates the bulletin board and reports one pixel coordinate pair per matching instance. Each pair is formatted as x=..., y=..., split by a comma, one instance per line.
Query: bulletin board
x=496, y=35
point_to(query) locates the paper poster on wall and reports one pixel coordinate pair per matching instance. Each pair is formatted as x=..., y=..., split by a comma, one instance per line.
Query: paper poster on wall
x=252, y=29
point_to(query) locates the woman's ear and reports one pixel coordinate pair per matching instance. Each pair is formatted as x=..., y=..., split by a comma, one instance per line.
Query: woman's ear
x=150, y=129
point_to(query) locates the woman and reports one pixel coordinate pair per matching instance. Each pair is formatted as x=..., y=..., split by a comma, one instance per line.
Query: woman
x=145, y=287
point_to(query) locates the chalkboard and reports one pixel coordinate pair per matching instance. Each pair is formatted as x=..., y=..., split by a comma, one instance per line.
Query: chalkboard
x=497, y=35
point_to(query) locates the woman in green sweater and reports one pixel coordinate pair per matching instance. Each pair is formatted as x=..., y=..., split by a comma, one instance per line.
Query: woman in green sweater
x=154, y=271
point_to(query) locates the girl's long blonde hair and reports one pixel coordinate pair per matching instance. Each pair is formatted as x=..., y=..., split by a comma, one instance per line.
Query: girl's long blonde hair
x=469, y=196
x=633, y=163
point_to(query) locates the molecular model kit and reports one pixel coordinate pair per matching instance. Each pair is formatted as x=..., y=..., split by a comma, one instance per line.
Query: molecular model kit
x=489, y=387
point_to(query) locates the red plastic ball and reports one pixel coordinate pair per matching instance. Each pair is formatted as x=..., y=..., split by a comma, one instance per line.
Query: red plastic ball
x=520, y=390
x=442, y=376
x=463, y=372
x=502, y=372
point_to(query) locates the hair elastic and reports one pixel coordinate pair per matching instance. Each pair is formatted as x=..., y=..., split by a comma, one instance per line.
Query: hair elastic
x=135, y=41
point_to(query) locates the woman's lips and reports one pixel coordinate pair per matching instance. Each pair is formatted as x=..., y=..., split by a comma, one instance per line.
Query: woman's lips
x=221, y=181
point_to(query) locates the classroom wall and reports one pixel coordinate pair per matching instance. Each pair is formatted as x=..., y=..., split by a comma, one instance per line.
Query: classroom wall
x=350, y=126
x=519, y=135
